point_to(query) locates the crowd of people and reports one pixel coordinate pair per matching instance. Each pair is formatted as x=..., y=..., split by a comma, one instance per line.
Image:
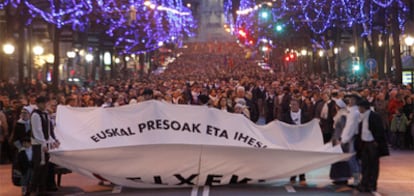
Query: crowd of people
x=226, y=77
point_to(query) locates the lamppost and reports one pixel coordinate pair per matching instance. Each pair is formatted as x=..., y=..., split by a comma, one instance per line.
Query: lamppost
x=321, y=61
x=8, y=49
x=352, y=50
x=50, y=59
x=89, y=59
x=355, y=60
x=69, y=67
x=37, y=51
x=409, y=41
x=304, y=56
x=337, y=60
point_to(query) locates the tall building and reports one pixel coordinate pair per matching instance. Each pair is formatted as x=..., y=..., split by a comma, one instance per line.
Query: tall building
x=210, y=17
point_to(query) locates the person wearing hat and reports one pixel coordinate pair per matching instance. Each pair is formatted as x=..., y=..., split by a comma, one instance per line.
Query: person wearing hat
x=371, y=146
x=22, y=127
x=340, y=171
x=42, y=141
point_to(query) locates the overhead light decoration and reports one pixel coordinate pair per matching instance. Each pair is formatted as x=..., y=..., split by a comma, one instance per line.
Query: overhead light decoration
x=320, y=15
x=156, y=21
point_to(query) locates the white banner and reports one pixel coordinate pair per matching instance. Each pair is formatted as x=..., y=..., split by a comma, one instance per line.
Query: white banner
x=154, y=144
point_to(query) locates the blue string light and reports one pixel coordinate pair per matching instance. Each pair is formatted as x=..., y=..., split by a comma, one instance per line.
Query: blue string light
x=321, y=15
x=140, y=26
x=4, y=3
x=62, y=12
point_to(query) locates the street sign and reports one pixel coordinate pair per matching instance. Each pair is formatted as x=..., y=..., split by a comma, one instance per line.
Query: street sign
x=371, y=63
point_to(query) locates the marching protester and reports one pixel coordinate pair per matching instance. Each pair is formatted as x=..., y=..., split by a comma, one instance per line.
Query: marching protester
x=340, y=171
x=371, y=146
x=349, y=133
x=270, y=103
x=42, y=141
x=245, y=103
x=223, y=105
x=22, y=128
x=326, y=116
x=296, y=117
x=25, y=164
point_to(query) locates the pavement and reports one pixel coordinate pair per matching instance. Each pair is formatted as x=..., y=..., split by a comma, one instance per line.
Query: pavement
x=396, y=178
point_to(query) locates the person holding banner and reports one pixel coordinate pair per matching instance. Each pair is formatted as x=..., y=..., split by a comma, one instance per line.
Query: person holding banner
x=340, y=171
x=349, y=133
x=42, y=140
x=296, y=117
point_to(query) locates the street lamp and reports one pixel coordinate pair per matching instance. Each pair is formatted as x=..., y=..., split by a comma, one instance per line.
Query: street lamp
x=117, y=60
x=303, y=59
x=336, y=50
x=320, y=53
x=352, y=49
x=8, y=48
x=38, y=50
x=70, y=70
x=380, y=43
x=88, y=57
x=71, y=54
x=303, y=52
x=409, y=41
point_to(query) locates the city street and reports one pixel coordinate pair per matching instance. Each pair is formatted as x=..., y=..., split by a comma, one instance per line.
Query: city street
x=396, y=178
x=222, y=95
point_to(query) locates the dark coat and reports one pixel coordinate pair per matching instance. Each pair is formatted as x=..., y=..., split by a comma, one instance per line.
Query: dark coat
x=327, y=124
x=376, y=127
x=378, y=132
x=23, y=163
x=288, y=119
x=20, y=132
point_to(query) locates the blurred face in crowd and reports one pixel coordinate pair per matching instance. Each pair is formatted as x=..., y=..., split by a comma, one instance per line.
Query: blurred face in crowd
x=213, y=93
x=24, y=114
x=41, y=106
x=52, y=106
x=365, y=93
x=305, y=93
x=5, y=101
x=121, y=100
x=240, y=92
x=408, y=100
x=223, y=102
x=380, y=96
x=167, y=98
x=176, y=94
x=294, y=105
x=325, y=96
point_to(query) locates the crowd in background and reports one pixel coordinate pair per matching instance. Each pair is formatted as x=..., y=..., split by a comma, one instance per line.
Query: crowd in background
x=226, y=78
